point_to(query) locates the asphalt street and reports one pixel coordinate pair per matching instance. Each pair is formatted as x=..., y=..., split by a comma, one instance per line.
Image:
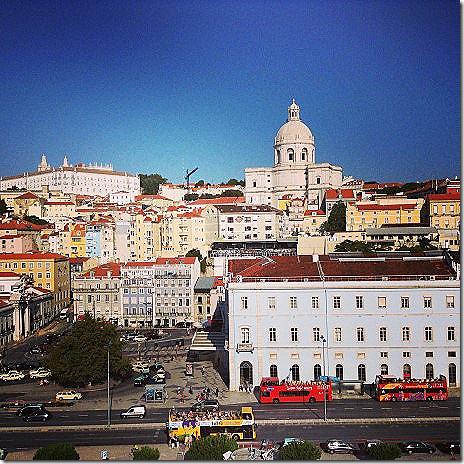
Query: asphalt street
x=337, y=409
x=317, y=433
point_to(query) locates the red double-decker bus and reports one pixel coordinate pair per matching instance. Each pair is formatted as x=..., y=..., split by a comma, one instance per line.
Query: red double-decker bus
x=389, y=388
x=273, y=391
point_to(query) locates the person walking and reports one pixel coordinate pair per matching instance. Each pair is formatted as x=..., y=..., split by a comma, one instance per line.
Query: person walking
x=217, y=392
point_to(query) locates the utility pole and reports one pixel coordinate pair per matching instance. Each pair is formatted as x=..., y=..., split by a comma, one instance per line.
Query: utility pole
x=108, y=385
x=325, y=382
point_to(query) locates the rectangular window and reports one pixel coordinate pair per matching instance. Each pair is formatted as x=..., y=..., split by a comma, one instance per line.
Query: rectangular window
x=316, y=334
x=451, y=334
x=428, y=334
x=429, y=354
x=405, y=334
x=384, y=354
x=360, y=334
x=382, y=302
x=294, y=334
x=451, y=354
x=245, y=332
x=405, y=302
x=450, y=301
x=244, y=302
x=359, y=302
x=271, y=302
x=272, y=334
x=406, y=354
x=383, y=334
x=293, y=302
x=337, y=302
x=315, y=302
x=338, y=334
x=427, y=301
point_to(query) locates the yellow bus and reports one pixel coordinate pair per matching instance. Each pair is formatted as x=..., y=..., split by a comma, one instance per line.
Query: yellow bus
x=239, y=425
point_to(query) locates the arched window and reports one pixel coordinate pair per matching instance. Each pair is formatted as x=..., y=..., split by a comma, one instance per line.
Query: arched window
x=304, y=154
x=339, y=371
x=291, y=155
x=429, y=371
x=362, y=372
x=318, y=180
x=384, y=369
x=295, y=371
x=407, y=371
x=278, y=156
x=317, y=372
x=452, y=375
x=273, y=370
x=246, y=373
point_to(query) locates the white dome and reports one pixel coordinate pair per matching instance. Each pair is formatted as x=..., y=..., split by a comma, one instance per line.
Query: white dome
x=294, y=131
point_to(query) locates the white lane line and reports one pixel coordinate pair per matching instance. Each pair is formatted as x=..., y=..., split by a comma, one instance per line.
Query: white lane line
x=83, y=415
x=367, y=408
x=348, y=408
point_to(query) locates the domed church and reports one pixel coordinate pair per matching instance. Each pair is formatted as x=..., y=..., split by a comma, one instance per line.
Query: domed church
x=295, y=173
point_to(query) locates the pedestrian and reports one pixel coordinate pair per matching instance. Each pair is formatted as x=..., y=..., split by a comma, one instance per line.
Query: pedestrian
x=217, y=392
x=190, y=390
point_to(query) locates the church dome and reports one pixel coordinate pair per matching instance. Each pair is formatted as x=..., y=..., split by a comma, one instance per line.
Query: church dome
x=294, y=130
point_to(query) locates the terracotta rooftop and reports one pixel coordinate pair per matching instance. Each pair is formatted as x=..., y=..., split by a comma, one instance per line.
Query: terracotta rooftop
x=8, y=274
x=333, y=194
x=113, y=269
x=34, y=255
x=246, y=209
x=444, y=196
x=27, y=196
x=218, y=201
x=161, y=261
x=16, y=224
x=387, y=207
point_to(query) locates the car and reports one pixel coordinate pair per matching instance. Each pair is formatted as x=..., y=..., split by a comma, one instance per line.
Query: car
x=450, y=447
x=141, y=366
x=38, y=415
x=28, y=409
x=35, y=350
x=158, y=370
x=134, y=411
x=140, y=338
x=338, y=446
x=289, y=440
x=40, y=373
x=370, y=443
x=11, y=376
x=206, y=405
x=411, y=447
x=141, y=380
x=68, y=395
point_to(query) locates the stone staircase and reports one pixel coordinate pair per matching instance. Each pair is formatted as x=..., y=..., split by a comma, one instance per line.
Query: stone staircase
x=208, y=341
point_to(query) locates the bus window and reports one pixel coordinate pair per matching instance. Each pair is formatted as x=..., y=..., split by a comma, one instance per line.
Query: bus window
x=266, y=393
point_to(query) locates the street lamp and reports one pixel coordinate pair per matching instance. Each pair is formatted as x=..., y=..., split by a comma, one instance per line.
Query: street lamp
x=323, y=340
x=108, y=384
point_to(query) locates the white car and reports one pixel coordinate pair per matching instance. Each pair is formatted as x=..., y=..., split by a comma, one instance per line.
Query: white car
x=142, y=367
x=140, y=338
x=68, y=395
x=40, y=373
x=12, y=375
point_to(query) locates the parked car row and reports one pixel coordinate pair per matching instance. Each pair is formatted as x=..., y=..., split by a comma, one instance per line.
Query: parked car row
x=15, y=375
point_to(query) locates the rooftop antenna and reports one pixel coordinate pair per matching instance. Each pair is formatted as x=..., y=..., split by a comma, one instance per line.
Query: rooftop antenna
x=188, y=174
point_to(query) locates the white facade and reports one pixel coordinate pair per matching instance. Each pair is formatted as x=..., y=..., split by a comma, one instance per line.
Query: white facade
x=122, y=198
x=97, y=180
x=371, y=324
x=294, y=172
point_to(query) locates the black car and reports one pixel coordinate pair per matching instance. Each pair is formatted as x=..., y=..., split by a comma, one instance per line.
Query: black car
x=39, y=415
x=411, y=447
x=206, y=405
x=450, y=447
x=28, y=409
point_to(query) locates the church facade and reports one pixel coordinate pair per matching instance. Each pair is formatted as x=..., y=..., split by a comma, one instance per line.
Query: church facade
x=295, y=173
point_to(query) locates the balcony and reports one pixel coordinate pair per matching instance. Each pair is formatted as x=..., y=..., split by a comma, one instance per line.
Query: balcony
x=244, y=347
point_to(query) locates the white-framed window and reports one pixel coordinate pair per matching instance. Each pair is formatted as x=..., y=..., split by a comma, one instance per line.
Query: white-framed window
x=338, y=334
x=337, y=302
x=406, y=354
x=405, y=334
x=427, y=301
x=315, y=302
x=405, y=302
x=383, y=334
x=316, y=334
x=294, y=334
x=359, y=302
x=245, y=334
x=244, y=302
x=384, y=354
x=271, y=302
x=293, y=302
x=428, y=334
x=451, y=335
x=360, y=334
x=449, y=301
x=382, y=302
x=272, y=334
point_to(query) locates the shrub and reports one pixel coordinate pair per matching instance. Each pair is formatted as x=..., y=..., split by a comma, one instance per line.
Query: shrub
x=146, y=453
x=300, y=451
x=385, y=451
x=210, y=448
x=56, y=452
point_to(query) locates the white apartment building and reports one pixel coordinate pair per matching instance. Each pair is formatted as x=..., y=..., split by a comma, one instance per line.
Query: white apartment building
x=122, y=198
x=176, y=192
x=99, y=180
x=159, y=293
x=390, y=315
x=242, y=223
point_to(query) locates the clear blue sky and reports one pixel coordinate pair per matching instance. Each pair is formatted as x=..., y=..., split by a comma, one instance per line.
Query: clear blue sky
x=158, y=86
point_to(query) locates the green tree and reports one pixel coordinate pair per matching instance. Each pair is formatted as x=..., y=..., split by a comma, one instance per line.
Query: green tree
x=200, y=183
x=207, y=195
x=210, y=448
x=195, y=252
x=337, y=219
x=81, y=357
x=231, y=193
x=353, y=246
x=150, y=183
x=385, y=451
x=146, y=453
x=3, y=207
x=300, y=451
x=191, y=196
x=57, y=452
x=235, y=182
x=36, y=220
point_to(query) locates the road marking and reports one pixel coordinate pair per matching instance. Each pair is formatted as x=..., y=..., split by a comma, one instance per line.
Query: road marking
x=348, y=408
x=367, y=408
x=83, y=415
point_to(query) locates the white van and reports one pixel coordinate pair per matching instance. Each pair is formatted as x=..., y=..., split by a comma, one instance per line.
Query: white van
x=134, y=411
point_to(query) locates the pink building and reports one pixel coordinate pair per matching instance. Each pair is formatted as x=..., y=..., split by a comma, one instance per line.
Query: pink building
x=16, y=243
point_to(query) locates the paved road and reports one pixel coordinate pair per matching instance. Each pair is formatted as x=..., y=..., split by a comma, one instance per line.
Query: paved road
x=340, y=409
x=353, y=433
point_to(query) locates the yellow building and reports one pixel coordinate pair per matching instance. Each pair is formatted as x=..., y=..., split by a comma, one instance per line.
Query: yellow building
x=49, y=271
x=147, y=239
x=77, y=245
x=28, y=204
x=444, y=214
x=312, y=221
x=58, y=209
x=361, y=215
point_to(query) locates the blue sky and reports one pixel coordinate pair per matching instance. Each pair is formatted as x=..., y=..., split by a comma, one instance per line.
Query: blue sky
x=159, y=86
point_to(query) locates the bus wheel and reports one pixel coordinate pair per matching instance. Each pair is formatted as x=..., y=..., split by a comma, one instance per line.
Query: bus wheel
x=312, y=399
x=429, y=398
x=275, y=400
x=393, y=398
x=235, y=437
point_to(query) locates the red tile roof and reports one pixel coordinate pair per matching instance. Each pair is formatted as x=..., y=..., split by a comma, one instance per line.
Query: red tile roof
x=388, y=207
x=9, y=274
x=113, y=269
x=8, y=237
x=27, y=196
x=444, y=196
x=313, y=212
x=161, y=261
x=218, y=201
x=63, y=203
x=15, y=224
x=346, y=194
x=32, y=255
x=150, y=197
